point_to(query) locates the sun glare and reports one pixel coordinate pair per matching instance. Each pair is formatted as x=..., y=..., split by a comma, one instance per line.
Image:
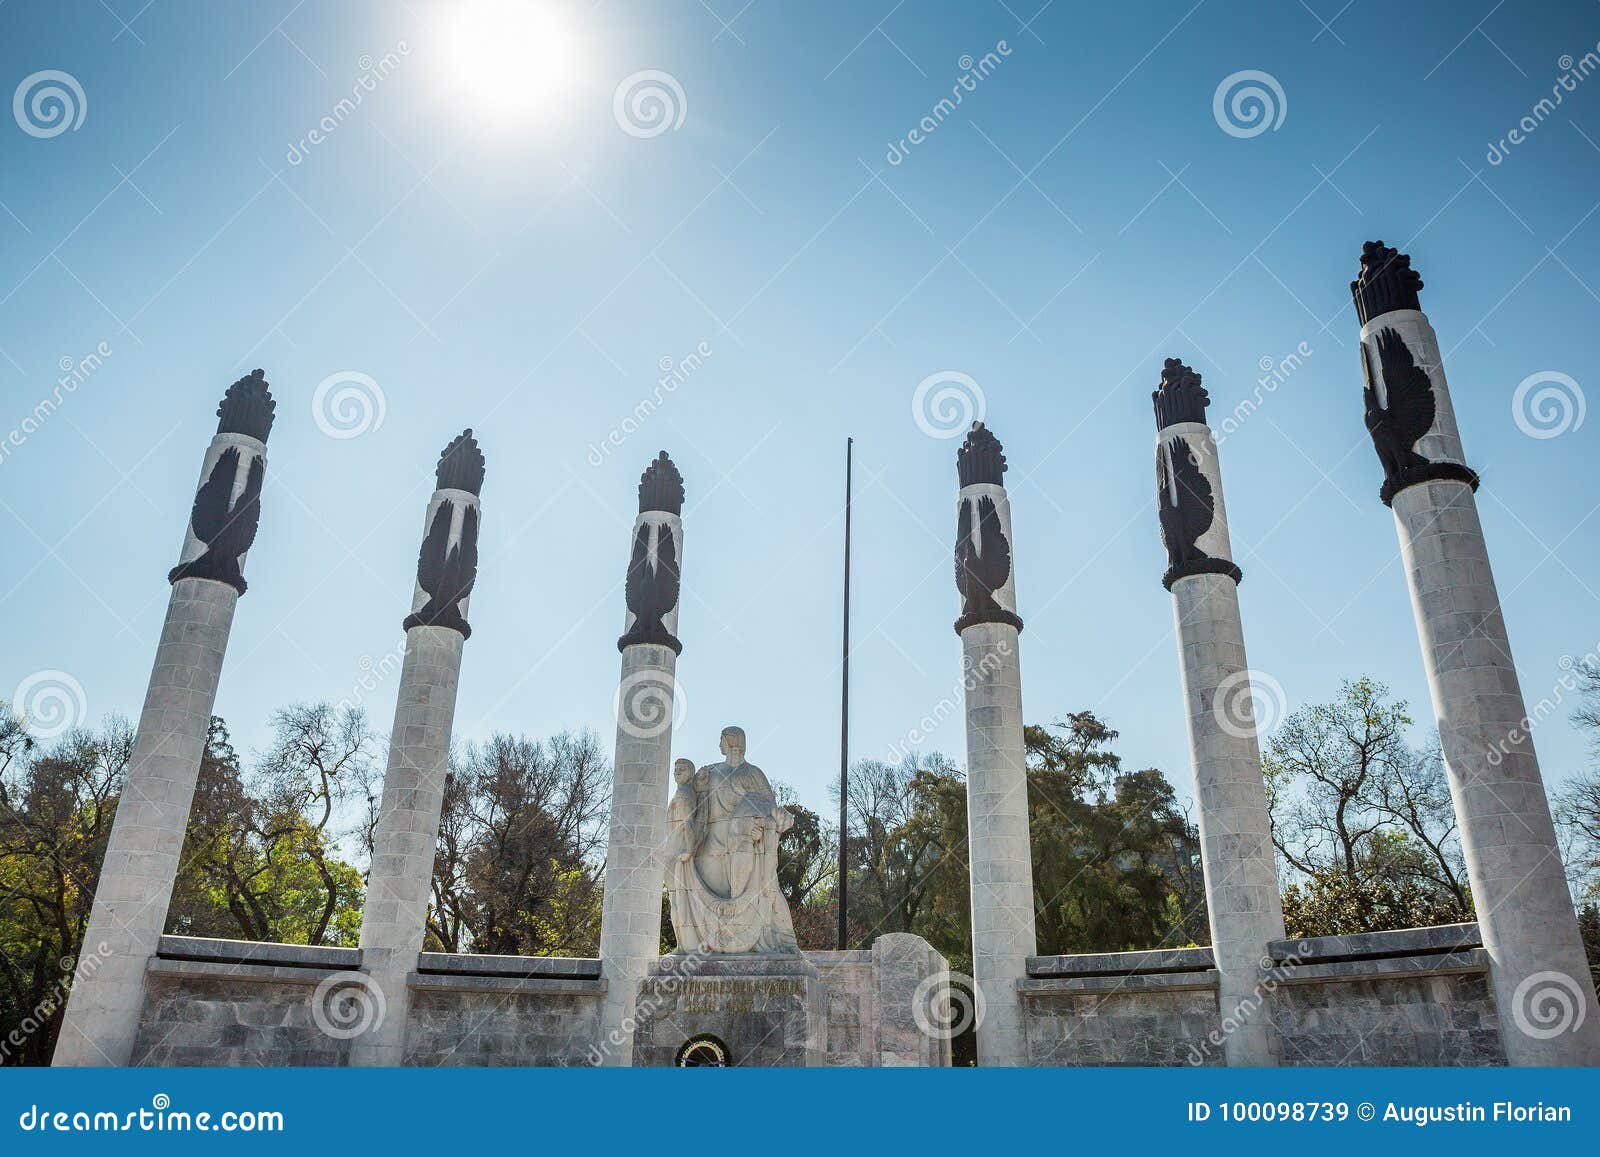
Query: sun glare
x=511, y=59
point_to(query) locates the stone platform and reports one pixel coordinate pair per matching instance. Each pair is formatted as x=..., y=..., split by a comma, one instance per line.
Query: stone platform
x=742, y=1010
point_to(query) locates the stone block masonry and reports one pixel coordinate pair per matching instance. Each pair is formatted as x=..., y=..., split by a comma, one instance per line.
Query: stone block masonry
x=146, y=843
x=630, y=919
x=1236, y=851
x=998, y=843
x=1544, y=994
x=399, y=888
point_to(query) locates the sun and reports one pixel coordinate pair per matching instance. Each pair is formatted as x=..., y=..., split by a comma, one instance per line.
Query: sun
x=510, y=59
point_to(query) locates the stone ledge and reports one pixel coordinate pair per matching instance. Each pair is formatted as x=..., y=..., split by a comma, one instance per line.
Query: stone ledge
x=219, y=970
x=520, y=967
x=206, y=950
x=1442, y=938
x=691, y=967
x=1154, y=961
x=1388, y=967
x=1194, y=980
x=508, y=985
x=836, y=956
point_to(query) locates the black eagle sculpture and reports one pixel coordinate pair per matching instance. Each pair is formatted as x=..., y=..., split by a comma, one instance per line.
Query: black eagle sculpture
x=225, y=524
x=983, y=564
x=1185, y=501
x=1187, y=505
x=1385, y=284
x=446, y=572
x=652, y=586
x=1406, y=414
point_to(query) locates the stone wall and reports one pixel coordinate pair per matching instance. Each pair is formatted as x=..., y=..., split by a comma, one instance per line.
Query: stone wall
x=872, y=998
x=230, y=1002
x=1418, y=996
x=1122, y=1008
x=227, y=1002
x=503, y=1010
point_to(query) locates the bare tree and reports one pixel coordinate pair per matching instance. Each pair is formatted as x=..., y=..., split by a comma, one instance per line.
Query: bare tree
x=516, y=870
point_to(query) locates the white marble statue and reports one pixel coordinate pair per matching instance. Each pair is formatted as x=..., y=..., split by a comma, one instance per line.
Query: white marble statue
x=723, y=827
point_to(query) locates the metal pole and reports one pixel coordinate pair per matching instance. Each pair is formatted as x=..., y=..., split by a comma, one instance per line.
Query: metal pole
x=844, y=714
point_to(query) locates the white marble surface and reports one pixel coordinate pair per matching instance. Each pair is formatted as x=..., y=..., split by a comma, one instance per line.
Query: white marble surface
x=393, y=923
x=142, y=857
x=1518, y=885
x=1236, y=850
x=630, y=921
x=997, y=825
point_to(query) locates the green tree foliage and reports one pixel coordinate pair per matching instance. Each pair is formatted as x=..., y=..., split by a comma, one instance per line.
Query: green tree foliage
x=1362, y=822
x=269, y=853
x=261, y=859
x=1115, y=860
x=56, y=806
x=516, y=869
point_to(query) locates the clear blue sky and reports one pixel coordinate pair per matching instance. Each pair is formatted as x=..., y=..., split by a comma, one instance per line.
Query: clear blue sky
x=523, y=266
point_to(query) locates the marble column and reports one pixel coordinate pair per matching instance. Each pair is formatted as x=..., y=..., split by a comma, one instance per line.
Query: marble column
x=630, y=919
x=1236, y=851
x=146, y=843
x=394, y=921
x=1001, y=860
x=1542, y=985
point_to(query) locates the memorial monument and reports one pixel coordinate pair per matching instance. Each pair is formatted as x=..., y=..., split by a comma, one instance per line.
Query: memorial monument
x=141, y=863
x=1519, y=887
x=736, y=990
x=1239, y=866
x=722, y=858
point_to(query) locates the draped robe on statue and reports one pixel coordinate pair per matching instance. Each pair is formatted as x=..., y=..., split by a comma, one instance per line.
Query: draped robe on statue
x=722, y=863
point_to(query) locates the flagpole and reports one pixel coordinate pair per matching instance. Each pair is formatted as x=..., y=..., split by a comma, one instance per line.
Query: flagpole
x=844, y=712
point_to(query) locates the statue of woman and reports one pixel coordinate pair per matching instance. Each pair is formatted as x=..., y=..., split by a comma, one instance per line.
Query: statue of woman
x=722, y=858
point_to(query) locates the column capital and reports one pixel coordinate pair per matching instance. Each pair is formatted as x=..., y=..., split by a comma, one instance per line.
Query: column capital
x=653, y=583
x=227, y=503
x=447, y=564
x=985, y=576
x=1194, y=521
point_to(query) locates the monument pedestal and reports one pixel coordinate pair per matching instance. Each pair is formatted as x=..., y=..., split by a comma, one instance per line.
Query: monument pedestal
x=739, y=1010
